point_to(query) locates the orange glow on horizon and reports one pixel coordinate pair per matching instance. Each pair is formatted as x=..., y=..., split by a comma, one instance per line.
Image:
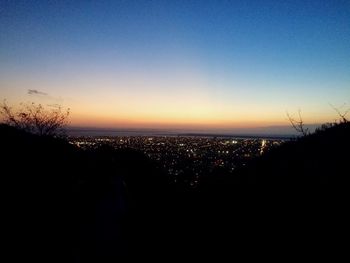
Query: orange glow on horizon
x=198, y=111
x=167, y=123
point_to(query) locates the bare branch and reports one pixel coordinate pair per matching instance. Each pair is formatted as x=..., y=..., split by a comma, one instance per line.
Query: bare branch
x=298, y=125
x=341, y=114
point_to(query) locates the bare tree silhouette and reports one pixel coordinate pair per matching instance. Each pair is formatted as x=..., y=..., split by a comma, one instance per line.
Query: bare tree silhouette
x=35, y=118
x=341, y=114
x=298, y=124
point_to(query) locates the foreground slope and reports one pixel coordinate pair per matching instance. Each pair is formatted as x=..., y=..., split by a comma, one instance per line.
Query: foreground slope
x=102, y=205
x=319, y=158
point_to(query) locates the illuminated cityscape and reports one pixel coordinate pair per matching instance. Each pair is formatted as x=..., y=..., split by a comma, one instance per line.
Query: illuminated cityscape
x=181, y=129
x=186, y=159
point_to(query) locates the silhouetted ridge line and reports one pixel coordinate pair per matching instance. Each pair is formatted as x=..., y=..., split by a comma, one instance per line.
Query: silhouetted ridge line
x=320, y=157
x=104, y=204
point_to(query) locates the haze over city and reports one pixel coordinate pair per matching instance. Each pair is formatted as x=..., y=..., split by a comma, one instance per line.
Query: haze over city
x=188, y=65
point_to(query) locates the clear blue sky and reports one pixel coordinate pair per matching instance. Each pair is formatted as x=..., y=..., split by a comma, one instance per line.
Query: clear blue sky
x=178, y=63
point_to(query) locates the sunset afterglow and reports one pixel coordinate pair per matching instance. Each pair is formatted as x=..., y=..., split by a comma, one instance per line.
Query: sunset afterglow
x=190, y=65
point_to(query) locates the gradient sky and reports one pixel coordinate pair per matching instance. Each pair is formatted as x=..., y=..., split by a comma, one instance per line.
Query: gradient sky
x=178, y=64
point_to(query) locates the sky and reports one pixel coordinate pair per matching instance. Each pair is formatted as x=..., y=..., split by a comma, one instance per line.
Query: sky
x=178, y=64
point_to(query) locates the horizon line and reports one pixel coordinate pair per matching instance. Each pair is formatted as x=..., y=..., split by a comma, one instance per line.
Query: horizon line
x=277, y=131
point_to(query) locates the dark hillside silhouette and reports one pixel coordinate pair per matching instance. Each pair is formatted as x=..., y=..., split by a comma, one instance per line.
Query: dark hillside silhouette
x=75, y=203
x=320, y=158
x=103, y=205
x=308, y=175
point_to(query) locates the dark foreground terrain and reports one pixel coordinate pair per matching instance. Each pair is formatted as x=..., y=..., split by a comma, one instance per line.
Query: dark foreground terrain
x=62, y=203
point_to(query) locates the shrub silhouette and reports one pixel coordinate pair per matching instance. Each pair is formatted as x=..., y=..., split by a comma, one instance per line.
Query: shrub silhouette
x=36, y=119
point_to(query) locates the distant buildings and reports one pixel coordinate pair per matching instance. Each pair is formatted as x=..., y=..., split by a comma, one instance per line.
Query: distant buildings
x=187, y=159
